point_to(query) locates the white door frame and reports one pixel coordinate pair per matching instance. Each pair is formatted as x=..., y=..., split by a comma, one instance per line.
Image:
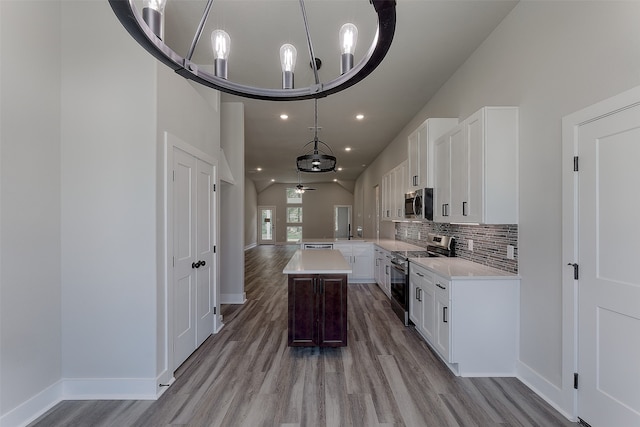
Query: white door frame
x=570, y=126
x=273, y=226
x=165, y=296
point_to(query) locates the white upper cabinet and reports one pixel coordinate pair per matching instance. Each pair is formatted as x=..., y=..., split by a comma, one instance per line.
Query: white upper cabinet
x=393, y=191
x=476, y=169
x=420, y=151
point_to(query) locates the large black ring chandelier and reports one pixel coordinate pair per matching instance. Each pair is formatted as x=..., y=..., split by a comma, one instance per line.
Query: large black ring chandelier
x=146, y=29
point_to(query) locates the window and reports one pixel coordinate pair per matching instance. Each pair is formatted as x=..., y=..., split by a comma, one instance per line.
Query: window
x=293, y=197
x=294, y=215
x=294, y=233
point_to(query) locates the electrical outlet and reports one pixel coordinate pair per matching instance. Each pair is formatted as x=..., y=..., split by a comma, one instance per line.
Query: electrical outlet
x=510, y=252
x=419, y=235
x=406, y=233
x=470, y=245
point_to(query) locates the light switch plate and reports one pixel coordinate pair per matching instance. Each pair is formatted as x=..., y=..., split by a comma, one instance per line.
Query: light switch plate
x=510, y=252
x=470, y=244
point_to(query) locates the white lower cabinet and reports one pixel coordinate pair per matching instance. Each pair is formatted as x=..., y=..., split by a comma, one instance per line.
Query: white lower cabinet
x=383, y=270
x=360, y=257
x=471, y=323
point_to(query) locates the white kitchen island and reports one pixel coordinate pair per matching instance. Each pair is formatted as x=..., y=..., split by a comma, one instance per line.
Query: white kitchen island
x=317, y=298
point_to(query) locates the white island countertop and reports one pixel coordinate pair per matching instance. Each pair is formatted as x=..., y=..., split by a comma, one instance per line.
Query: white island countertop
x=323, y=261
x=457, y=268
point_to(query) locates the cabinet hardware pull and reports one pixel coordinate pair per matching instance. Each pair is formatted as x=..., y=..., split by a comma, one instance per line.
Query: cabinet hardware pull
x=464, y=208
x=420, y=294
x=420, y=274
x=444, y=315
x=416, y=296
x=440, y=286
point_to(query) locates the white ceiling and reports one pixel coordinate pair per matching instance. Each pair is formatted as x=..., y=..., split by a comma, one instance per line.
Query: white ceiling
x=432, y=39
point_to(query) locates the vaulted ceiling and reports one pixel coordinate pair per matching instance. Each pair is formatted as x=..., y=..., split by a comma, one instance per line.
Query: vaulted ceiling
x=432, y=39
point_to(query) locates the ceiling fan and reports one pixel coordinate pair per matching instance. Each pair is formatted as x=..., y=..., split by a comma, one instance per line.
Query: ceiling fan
x=301, y=188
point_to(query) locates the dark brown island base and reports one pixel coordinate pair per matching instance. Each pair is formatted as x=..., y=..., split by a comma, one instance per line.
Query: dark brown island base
x=317, y=298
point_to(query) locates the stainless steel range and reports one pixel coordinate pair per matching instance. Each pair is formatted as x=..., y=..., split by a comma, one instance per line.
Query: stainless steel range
x=437, y=246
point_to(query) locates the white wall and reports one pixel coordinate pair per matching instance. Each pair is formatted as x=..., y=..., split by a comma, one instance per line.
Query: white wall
x=109, y=276
x=81, y=219
x=30, y=278
x=317, y=208
x=232, y=206
x=549, y=58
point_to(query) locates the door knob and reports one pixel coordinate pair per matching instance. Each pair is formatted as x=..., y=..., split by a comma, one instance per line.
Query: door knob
x=203, y=263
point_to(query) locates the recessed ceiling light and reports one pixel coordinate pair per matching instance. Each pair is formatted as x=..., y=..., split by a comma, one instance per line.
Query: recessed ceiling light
x=335, y=179
x=284, y=116
x=258, y=169
x=347, y=148
x=360, y=116
x=273, y=180
x=339, y=169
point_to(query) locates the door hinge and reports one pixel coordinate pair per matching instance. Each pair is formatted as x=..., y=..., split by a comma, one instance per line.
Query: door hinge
x=214, y=249
x=576, y=270
x=575, y=380
x=174, y=176
x=575, y=163
x=174, y=261
x=214, y=310
x=214, y=187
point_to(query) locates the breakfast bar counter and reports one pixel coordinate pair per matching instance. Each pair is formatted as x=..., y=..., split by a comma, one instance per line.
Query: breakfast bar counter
x=317, y=298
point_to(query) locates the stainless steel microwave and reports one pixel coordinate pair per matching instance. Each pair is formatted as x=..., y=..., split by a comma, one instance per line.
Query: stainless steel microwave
x=419, y=204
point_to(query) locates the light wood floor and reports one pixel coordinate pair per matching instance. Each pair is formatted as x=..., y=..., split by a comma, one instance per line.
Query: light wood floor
x=246, y=375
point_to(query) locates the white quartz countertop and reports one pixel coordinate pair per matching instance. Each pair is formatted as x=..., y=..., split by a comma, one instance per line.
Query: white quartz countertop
x=458, y=268
x=333, y=241
x=397, y=245
x=322, y=261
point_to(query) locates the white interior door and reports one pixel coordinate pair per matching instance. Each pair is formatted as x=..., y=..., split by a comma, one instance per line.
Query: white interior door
x=266, y=225
x=205, y=274
x=184, y=250
x=342, y=221
x=609, y=283
x=194, y=269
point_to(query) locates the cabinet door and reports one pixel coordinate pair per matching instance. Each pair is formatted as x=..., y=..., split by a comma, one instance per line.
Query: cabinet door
x=332, y=310
x=442, y=188
x=413, y=161
x=428, y=297
x=401, y=187
x=362, y=261
x=474, y=129
x=443, y=327
x=387, y=274
x=415, y=305
x=459, y=175
x=386, y=197
x=303, y=330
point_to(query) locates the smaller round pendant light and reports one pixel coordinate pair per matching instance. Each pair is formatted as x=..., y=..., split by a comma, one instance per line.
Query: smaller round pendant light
x=318, y=157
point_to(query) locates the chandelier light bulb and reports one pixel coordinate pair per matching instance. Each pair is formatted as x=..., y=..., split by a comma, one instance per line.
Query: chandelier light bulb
x=221, y=44
x=348, y=39
x=288, y=56
x=152, y=14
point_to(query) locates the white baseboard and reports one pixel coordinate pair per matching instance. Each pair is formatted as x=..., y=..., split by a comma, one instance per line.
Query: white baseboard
x=31, y=409
x=110, y=389
x=556, y=397
x=233, y=298
x=251, y=246
x=86, y=389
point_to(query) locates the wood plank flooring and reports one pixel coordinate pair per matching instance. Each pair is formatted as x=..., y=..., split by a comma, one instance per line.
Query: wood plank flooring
x=246, y=375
